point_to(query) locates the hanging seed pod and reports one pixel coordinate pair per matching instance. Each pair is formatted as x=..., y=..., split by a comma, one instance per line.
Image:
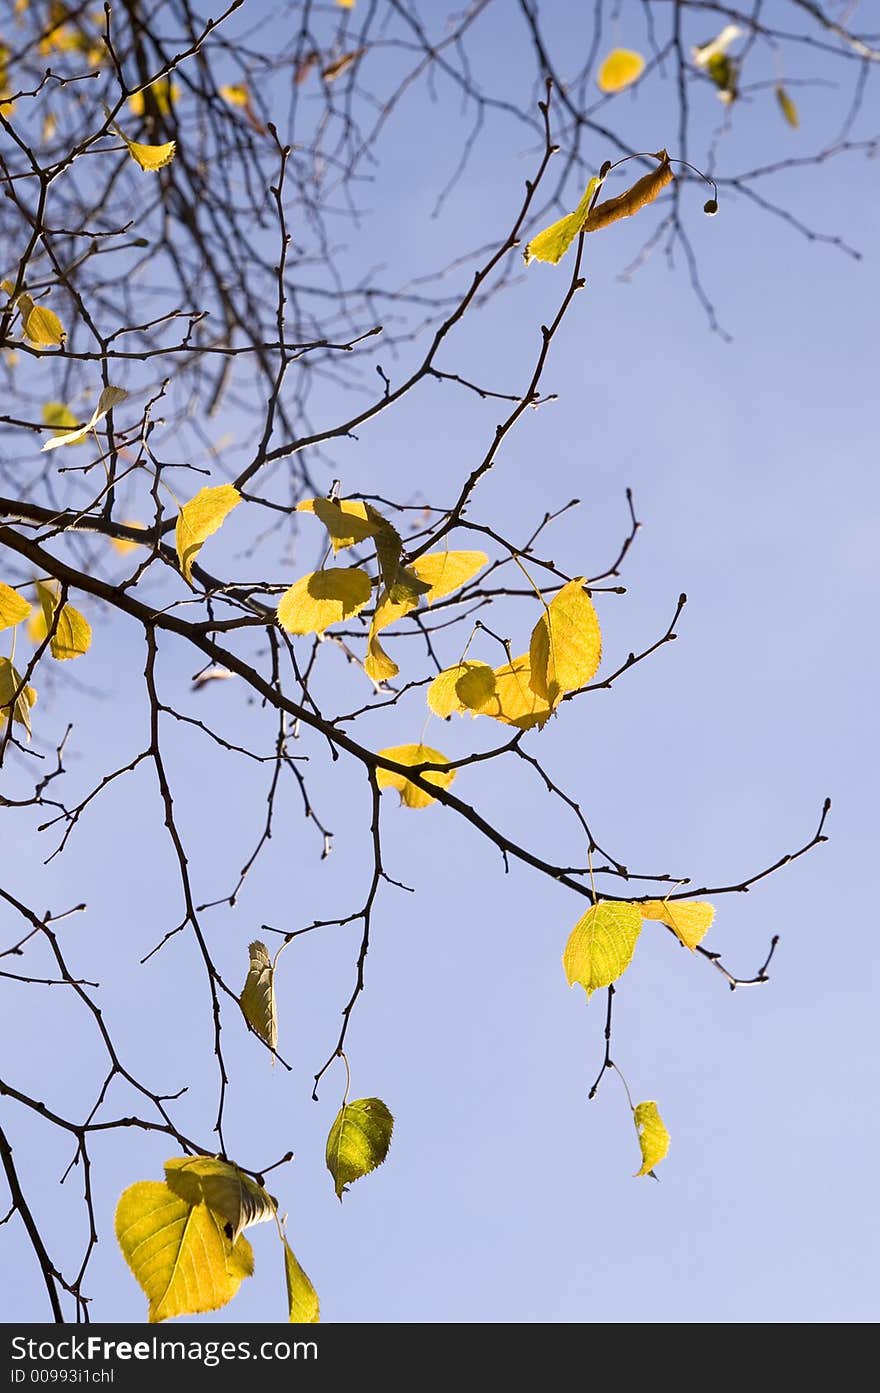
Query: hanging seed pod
x=642, y=193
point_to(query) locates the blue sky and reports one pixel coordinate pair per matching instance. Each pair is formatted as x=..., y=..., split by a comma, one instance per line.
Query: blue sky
x=506, y=1197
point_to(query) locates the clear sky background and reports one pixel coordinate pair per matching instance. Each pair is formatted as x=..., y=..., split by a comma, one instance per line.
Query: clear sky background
x=506, y=1196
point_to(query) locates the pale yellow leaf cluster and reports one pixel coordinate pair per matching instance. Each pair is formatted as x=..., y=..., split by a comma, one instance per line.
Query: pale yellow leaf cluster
x=199, y=519
x=653, y=1136
x=620, y=69
x=411, y=796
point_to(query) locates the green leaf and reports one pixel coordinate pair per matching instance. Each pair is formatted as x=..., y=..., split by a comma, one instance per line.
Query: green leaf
x=358, y=1141
x=10, y=682
x=257, y=998
x=552, y=244
x=323, y=598
x=787, y=106
x=690, y=920
x=13, y=607
x=566, y=645
x=302, y=1299
x=73, y=633
x=601, y=944
x=233, y=1196
x=411, y=796
x=199, y=519
x=178, y=1252
x=653, y=1136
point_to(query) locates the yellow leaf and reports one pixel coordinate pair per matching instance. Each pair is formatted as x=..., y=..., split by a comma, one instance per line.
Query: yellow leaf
x=410, y=794
x=377, y=664
x=302, y=1299
x=690, y=920
x=226, y=1190
x=124, y=544
x=59, y=416
x=445, y=571
x=566, y=646
x=199, y=519
x=257, y=999
x=787, y=106
x=555, y=240
x=178, y=1252
x=344, y=518
x=43, y=327
x=436, y=575
x=10, y=683
x=323, y=598
x=151, y=157
x=653, y=1136
x=164, y=93
x=358, y=1141
x=110, y=397
x=601, y=944
x=73, y=635
x=36, y=625
x=13, y=607
x=236, y=94
x=620, y=69
x=50, y=125
x=469, y=686
x=514, y=702
x=346, y=4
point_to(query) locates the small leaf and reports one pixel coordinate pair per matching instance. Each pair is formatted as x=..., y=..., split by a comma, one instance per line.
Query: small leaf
x=339, y=65
x=236, y=94
x=346, y=4
x=653, y=1136
x=469, y=686
x=302, y=1299
x=164, y=93
x=358, y=1141
x=56, y=414
x=232, y=1195
x=257, y=999
x=323, y=598
x=199, y=519
x=13, y=607
x=566, y=646
x=178, y=1252
x=44, y=328
x=787, y=106
x=73, y=634
x=555, y=240
x=110, y=397
x=411, y=796
x=601, y=944
x=151, y=157
x=10, y=682
x=620, y=69
x=690, y=920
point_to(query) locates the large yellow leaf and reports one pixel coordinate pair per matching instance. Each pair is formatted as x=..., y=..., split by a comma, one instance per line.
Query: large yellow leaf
x=302, y=1299
x=345, y=519
x=178, y=1252
x=566, y=646
x=151, y=157
x=601, y=944
x=110, y=397
x=552, y=244
x=13, y=607
x=233, y=1196
x=10, y=682
x=257, y=999
x=410, y=794
x=323, y=598
x=689, y=919
x=446, y=571
x=73, y=633
x=653, y=1136
x=469, y=686
x=43, y=327
x=199, y=519
x=620, y=69
x=513, y=701
x=358, y=1141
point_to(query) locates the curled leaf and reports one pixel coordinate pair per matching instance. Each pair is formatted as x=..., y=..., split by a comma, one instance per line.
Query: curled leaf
x=653, y=1136
x=199, y=519
x=619, y=70
x=601, y=944
x=411, y=796
x=339, y=65
x=233, y=1196
x=110, y=397
x=151, y=157
x=555, y=240
x=257, y=999
x=642, y=192
x=358, y=1141
x=345, y=519
x=323, y=598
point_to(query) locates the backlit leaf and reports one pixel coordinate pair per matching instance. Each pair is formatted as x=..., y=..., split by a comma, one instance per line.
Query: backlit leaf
x=302, y=1299
x=446, y=571
x=344, y=518
x=620, y=69
x=323, y=598
x=787, y=106
x=10, y=682
x=378, y=664
x=73, y=633
x=358, y=1141
x=468, y=686
x=555, y=240
x=653, y=1136
x=44, y=328
x=199, y=519
x=178, y=1252
x=514, y=702
x=566, y=645
x=13, y=607
x=110, y=397
x=410, y=794
x=257, y=999
x=151, y=157
x=233, y=1196
x=689, y=919
x=601, y=944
